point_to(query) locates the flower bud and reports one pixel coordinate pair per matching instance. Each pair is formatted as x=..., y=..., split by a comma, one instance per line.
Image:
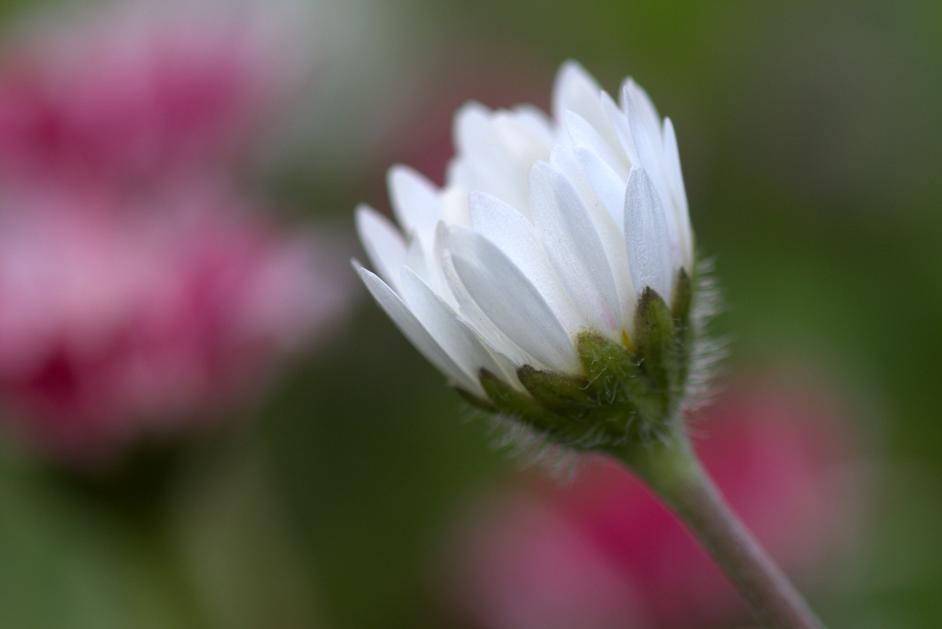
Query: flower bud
x=550, y=279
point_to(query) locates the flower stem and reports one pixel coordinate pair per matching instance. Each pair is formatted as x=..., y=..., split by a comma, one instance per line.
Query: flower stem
x=673, y=471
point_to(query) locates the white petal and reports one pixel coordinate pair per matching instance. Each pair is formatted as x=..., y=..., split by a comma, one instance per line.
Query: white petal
x=672, y=165
x=421, y=258
x=609, y=221
x=607, y=186
x=574, y=246
x=645, y=128
x=416, y=259
x=576, y=90
x=646, y=236
x=442, y=322
x=505, y=227
x=584, y=135
x=458, y=173
x=508, y=370
x=414, y=199
x=535, y=122
x=508, y=299
x=383, y=243
x=524, y=135
x=484, y=161
x=476, y=141
x=619, y=123
x=413, y=329
x=633, y=95
x=646, y=132
x=472, y=315
x=455, y=206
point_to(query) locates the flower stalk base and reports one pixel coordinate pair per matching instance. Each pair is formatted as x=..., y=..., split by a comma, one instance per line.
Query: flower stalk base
x=673, y=471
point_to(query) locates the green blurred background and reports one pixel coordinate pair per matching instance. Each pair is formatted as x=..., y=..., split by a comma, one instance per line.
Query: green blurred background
x=810, y=136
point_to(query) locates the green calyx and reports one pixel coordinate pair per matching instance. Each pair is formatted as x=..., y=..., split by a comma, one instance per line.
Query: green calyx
x=627, y=392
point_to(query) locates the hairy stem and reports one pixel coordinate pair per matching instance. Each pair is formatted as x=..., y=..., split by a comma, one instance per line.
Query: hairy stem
x=673, y=471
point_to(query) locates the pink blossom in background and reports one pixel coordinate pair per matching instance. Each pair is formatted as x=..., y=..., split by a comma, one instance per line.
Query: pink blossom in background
x=124, y=318
x=603, y=553
x=131, y=300
x=134, y=90
x=519, y=565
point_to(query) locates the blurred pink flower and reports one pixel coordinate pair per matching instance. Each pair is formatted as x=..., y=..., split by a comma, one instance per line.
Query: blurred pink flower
x=604, y=553
x=119, y=319
x=520, y=565
x=133, y=90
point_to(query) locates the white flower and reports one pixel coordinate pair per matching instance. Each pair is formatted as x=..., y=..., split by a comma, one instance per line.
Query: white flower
x=546, y=228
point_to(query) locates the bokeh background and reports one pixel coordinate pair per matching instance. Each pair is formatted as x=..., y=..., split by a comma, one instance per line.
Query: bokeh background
x=353, y=490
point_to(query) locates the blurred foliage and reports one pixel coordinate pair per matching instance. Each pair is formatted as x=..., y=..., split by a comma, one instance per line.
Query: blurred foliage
x=810, y=134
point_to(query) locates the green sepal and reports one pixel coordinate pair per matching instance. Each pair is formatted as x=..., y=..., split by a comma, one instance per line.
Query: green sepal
x=612, y=371
x=617, y=381
x=682, y=300
x=681, y=309
x=577, y=399
x=655, y=342
x=562, y=394
x=520, y=405
x=580, y=429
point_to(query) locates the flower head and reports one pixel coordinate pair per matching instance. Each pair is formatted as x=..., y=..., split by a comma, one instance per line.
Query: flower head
x=550, y=278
